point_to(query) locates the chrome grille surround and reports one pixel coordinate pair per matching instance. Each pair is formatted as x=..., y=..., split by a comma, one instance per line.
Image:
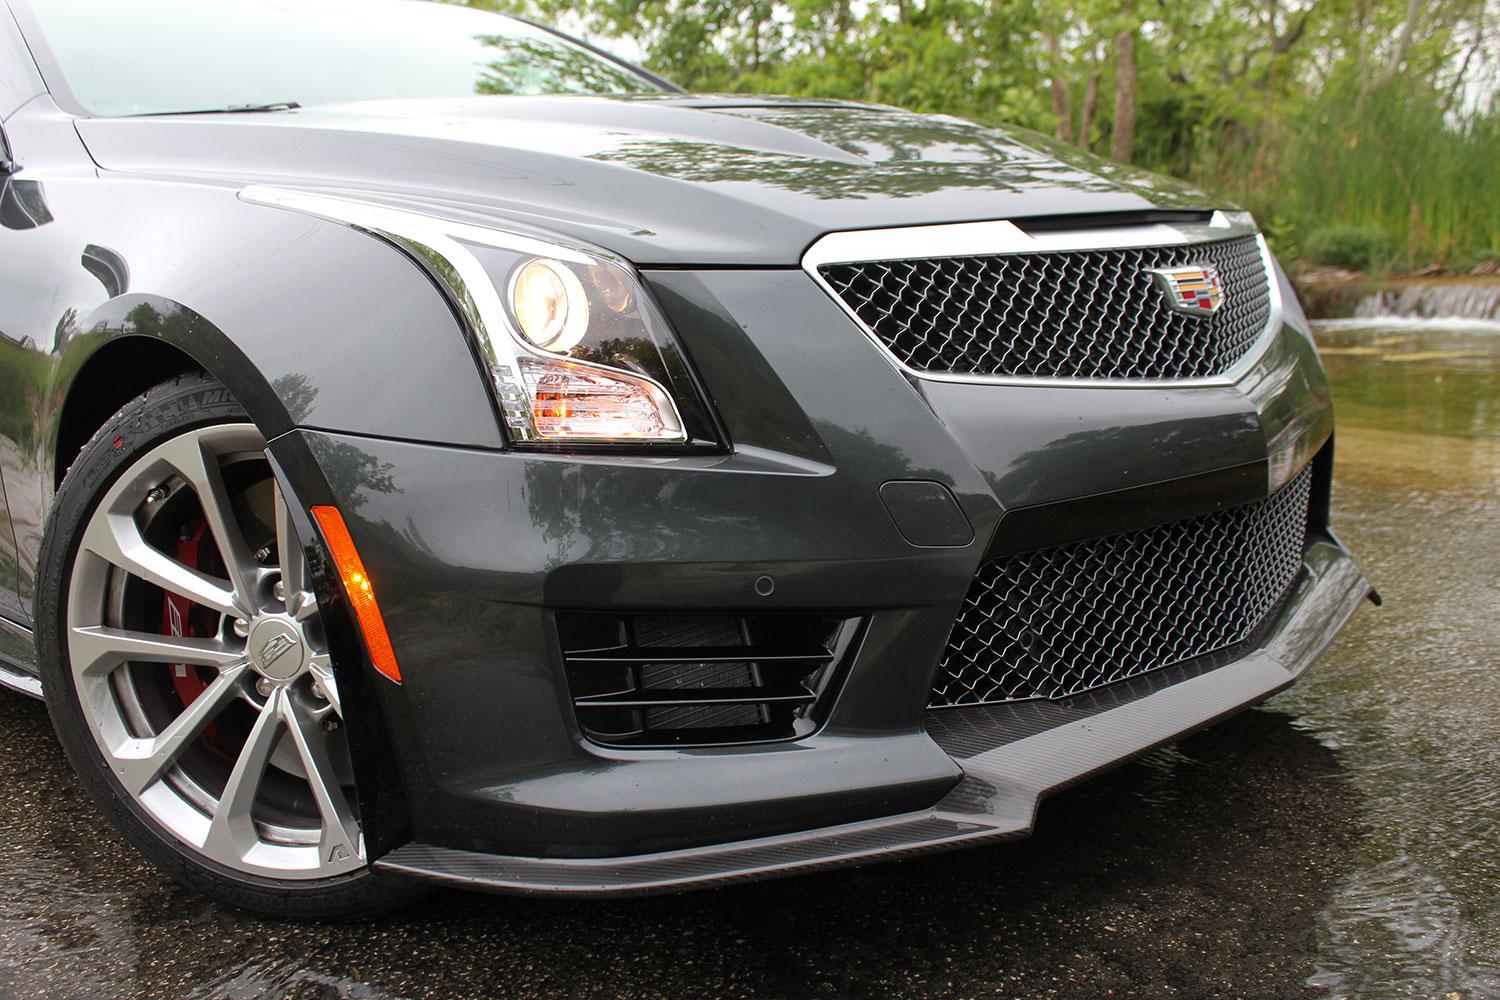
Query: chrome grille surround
x=1061, y=621
x=989, y=302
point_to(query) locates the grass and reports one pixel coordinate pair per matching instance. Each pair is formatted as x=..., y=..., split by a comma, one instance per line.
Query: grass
x=1385, y=180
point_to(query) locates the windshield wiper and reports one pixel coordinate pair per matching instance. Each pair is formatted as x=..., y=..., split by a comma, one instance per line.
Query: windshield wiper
x=233, y=109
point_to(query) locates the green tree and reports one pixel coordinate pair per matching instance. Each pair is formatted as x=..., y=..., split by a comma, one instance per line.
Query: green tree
x=1316, y=113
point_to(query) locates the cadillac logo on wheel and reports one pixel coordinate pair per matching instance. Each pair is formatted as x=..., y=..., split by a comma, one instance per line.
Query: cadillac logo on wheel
x=1195, y=290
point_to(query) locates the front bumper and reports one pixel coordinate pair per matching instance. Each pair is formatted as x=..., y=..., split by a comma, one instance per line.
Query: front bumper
x=1005, y=771
x=476, y=552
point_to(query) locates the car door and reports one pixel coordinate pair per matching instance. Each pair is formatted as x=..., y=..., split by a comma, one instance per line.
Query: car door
x=9, y=571
x=46, y=286
x=23, y=373
x=18, y=84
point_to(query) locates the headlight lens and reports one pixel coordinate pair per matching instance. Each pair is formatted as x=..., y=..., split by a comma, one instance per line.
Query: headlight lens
x=576, y=350
x=550, y=304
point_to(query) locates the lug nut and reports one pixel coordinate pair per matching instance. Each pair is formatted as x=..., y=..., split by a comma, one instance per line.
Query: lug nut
x=264, y=687
x=242, y=628
x=279, y=591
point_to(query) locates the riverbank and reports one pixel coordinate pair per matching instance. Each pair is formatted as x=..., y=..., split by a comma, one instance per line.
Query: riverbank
x=1331, y=294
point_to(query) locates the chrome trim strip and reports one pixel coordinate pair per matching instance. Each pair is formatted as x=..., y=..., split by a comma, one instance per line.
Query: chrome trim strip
x=14, y=680
x=993, y=239
x=11, y=676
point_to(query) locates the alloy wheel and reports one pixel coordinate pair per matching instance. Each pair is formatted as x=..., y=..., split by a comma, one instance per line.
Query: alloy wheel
x=200, y=664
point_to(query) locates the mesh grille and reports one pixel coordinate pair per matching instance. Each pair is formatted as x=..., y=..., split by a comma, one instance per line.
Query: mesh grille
x=1060, y=621
x=1089, y=314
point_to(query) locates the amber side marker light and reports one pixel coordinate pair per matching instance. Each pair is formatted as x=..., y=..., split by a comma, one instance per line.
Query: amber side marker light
x=361, y=592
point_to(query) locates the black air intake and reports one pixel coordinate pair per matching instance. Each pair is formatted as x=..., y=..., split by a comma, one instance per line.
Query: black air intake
x=697, y=680
x=1057, y=622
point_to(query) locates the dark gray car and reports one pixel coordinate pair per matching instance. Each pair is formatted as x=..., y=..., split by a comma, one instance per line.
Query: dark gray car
x=433, y=449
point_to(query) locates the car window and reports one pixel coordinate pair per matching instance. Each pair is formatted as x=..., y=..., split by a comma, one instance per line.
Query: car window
x=162, y=56
x=18, y=80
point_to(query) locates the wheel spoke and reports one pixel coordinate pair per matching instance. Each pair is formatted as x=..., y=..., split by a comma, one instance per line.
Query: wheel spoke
x=340, y=839
x=288, y=552
x=321, y=666
x=142, y=762
x=201, y=469
x=116, y=539
x=97, y=649
x=232, y=830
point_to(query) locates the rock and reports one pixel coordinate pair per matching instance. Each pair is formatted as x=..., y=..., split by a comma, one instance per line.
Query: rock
x=1323, y=275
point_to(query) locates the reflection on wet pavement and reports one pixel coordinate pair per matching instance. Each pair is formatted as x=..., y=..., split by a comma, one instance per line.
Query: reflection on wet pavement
x=1341, y=840
x=1410, y=697
x=1196, y=866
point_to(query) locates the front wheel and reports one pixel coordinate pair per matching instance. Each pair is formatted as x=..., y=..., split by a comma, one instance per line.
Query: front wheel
x=185, y=665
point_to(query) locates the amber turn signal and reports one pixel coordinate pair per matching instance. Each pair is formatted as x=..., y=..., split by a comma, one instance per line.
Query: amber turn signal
x=360, y=591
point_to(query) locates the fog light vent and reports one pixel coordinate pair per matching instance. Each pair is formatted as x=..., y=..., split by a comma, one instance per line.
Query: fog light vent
x=699, y=680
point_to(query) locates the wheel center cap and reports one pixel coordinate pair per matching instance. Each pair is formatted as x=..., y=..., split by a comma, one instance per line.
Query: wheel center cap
x=276, y=649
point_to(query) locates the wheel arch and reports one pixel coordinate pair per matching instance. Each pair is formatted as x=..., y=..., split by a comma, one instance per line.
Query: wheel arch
x=135, y=342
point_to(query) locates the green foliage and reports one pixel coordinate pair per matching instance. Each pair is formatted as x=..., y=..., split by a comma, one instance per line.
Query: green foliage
x=1323, y=116
x=1362, y=249
x=1389, y=178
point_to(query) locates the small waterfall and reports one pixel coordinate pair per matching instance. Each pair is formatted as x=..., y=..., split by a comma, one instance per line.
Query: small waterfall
x=1455, y=298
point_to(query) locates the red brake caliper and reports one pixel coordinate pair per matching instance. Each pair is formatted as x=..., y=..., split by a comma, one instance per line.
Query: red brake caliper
x=177, y=620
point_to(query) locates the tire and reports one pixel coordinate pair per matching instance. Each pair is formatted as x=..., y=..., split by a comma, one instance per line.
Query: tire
x=159, y=656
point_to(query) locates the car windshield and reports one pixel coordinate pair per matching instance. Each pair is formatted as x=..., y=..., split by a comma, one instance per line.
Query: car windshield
x=165, y=56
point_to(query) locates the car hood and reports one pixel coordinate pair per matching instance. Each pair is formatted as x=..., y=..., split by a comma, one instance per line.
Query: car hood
x=678, y=180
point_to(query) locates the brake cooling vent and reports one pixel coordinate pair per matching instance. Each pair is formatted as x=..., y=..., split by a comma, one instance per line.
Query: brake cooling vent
x=698, y=680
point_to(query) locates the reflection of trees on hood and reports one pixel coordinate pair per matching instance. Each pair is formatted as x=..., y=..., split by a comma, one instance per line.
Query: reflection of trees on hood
x=875, y=151
x=542, y=66
x=883, y=135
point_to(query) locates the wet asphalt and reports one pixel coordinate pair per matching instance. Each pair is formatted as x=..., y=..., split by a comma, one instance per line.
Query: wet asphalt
x=1339, y=841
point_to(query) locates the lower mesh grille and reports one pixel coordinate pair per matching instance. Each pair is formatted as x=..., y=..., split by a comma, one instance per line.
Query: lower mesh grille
x=696, y=680
x=1058, y=622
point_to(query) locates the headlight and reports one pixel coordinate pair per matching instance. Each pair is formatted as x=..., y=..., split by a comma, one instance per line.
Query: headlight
x=576, y=350
x=550, y=305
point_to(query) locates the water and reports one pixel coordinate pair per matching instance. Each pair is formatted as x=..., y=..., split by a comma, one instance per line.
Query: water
x=1425, y=298
x=1438, y=301
x=1409, y=699
x=1340, y=841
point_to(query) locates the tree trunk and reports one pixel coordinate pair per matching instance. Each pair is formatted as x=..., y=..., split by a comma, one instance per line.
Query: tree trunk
x=1398, y=52
x=1062, y=101
x=1090, y=107
x=842, y=16
x=1123, y=148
